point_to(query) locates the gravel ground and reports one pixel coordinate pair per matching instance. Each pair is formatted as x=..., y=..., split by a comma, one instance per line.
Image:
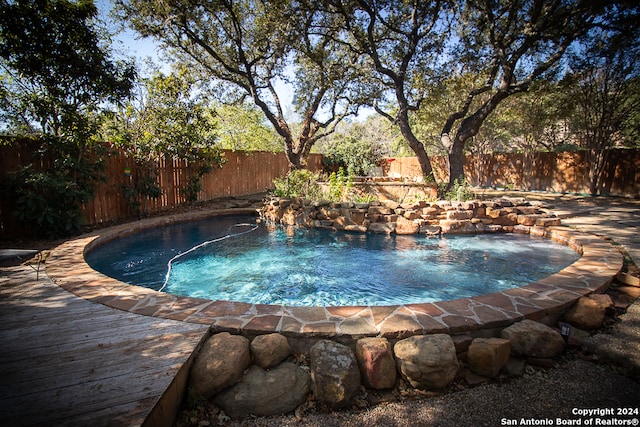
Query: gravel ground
x=540, y=397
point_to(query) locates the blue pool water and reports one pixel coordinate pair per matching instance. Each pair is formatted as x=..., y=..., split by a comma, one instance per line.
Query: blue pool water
x=322, y=268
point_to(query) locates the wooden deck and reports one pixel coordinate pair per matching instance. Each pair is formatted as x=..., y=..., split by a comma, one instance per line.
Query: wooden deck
x=68, y=361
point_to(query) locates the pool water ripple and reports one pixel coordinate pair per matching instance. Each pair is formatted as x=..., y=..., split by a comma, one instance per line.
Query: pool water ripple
x=323, y=268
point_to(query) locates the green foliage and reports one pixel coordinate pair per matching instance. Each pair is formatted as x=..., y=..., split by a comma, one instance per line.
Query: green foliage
x=358, y=147
x=194, y=184
x=49, y=203
x=298, y=183
x=194, y=400
x=55, y=77
x=53, y=69
x=168, y=122
x=340, y=186
x=243, y=127
x=143, y=187
x=363, y=198
x=460, y=191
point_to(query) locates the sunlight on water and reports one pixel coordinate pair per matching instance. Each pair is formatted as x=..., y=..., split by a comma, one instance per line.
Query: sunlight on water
x=322, y=268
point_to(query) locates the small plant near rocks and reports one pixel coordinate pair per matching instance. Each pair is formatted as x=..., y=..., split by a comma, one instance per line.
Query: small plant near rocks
x=420, y=198
x=340, y=186
x=363, y=198
x=460, y=191
x=304, y=183
x=298, y=183
x=194, y=400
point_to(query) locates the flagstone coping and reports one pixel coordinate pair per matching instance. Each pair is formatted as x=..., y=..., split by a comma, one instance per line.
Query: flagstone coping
x=543, y=300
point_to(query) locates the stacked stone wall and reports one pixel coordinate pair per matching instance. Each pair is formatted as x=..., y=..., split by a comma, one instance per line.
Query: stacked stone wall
x=337, y=375
x=441, y=217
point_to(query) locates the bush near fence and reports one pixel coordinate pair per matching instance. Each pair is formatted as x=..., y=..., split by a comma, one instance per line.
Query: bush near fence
x=561, y=172
x=242, y=174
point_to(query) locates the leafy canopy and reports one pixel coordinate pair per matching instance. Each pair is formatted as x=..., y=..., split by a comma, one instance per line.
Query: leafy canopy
x=249, y=49
x=166, y=121
x=55, y=76
x=53, y=67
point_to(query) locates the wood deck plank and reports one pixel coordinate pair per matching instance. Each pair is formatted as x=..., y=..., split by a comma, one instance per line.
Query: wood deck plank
x=101, y=354
x=130, y=413
x=69, y=351
x=67, y=361
x=99, y=335
x=90, y=395
x=69, y=325
x=56, y=372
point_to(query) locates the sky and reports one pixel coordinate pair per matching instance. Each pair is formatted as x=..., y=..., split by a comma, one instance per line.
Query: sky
x=130, y=43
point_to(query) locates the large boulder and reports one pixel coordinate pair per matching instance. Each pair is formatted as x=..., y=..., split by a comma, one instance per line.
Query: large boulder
x=377, y=365
x=589, y=312
x=486, y=356
x=529, y=338
x=219, y=364
x=269, y=350
x=427, y=361
x=334, y=373
x=406, y=226
x=264, y=393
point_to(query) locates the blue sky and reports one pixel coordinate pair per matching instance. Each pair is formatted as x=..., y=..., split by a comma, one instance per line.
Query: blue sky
x=128, y=41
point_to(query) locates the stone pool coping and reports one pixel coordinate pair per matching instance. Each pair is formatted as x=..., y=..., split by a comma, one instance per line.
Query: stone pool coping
x=543, y=300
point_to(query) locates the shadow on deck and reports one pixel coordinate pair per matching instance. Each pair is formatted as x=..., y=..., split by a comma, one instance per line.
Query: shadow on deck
x=68, y=361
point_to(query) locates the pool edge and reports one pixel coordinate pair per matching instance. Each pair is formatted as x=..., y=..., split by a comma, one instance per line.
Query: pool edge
x=544, y=300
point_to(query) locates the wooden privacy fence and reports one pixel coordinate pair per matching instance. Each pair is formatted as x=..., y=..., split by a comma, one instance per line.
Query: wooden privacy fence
x=243, y=173
x=254, y=172
x=563, y=172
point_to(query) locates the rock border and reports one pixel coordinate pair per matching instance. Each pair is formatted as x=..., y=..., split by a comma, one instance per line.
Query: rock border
x=435, y=218
x=476, y=326
x=336, y=375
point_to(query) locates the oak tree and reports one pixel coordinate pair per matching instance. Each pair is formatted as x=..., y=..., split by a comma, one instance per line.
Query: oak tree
x=503, y=45
x=252, y=49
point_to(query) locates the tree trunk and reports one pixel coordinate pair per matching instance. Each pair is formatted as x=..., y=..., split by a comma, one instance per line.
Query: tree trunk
x=417, y=147
x=296, y=160
x=469, y=128
x=455, y=156
x=456, y=162
x=597, y=162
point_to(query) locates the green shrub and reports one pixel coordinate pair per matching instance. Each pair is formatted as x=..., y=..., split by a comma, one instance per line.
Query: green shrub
x=194, y=183
x=340, y=186
x=298, y=183
x=363, y=198
x=460, y=191
x=49, y=204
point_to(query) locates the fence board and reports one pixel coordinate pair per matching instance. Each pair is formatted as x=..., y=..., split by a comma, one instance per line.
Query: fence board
x=563, y=172
x=242, y=174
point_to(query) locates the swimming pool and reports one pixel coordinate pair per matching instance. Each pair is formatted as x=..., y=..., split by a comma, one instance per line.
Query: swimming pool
x=299, y=267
